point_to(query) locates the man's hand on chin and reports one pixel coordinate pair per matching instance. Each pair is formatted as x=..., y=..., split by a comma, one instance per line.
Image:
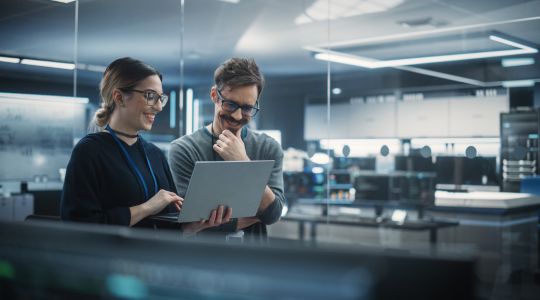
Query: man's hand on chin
x=230, y=146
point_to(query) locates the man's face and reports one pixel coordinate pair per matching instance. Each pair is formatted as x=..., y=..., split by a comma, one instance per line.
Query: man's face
x=227, y=99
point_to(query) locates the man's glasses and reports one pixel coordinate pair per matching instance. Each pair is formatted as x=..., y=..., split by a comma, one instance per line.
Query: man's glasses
x=152, y=97
x=231, y=106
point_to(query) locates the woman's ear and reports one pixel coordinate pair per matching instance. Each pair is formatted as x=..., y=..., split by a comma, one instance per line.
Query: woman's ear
x=118, y=97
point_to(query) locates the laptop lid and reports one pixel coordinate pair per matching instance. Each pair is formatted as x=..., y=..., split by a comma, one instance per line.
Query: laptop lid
x=235, y=184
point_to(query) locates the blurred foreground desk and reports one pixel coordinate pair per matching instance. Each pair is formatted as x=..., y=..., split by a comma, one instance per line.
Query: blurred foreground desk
x=85, y=261
x=313, y=221
x=503, y=227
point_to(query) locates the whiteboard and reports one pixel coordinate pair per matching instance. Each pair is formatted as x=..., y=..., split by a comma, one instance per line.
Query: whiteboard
x=37, y=134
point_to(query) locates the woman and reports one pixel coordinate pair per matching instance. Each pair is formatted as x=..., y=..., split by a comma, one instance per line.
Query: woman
x=114, y=176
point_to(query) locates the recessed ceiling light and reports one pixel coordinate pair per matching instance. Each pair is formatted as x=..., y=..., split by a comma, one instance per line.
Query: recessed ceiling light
x=321, y=10
x=336, y=91
x=63, y=1
x=317, y=170
x=320, y=158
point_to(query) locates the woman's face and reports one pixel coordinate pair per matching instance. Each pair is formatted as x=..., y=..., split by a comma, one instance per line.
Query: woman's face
x=137, y=114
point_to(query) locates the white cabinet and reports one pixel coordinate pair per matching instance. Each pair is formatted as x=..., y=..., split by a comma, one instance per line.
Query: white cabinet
x=437, y=118
x=340, y=121
x=315, y=126
x=315, y=122
x=350, y=121
x=372, y=120
x=476, y=117
x=426, y=118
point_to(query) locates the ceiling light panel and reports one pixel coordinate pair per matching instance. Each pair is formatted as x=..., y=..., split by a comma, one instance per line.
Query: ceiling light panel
x=371, y=63
x=48, y=64
x=12, y=60
x=518, y=83
x=516, y=62
x=322, y=10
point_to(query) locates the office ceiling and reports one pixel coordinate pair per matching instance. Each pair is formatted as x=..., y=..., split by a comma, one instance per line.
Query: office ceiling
x=214, y=30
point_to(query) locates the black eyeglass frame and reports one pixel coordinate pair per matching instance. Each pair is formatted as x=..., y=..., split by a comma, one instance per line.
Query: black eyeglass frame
x=247, y=110
x=162, y=98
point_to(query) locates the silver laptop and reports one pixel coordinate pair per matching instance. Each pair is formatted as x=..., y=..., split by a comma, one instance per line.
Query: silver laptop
x=236, y=184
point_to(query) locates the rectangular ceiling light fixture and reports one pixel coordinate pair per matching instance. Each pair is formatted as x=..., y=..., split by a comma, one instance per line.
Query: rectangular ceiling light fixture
x=63, y=1
x=49, y=64
x=516, y=62
x=12, y=60
x=518, y=83
x=350, y=59
x=48, y=98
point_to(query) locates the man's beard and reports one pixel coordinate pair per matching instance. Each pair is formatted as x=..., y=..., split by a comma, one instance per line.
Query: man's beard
x=229, y=119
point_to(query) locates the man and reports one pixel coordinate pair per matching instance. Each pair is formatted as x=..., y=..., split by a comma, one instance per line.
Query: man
x=235, y=94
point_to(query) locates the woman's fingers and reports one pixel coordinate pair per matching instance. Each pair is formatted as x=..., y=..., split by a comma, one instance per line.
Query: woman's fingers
x=219, y=216
x=228, y=215
x=212, y=219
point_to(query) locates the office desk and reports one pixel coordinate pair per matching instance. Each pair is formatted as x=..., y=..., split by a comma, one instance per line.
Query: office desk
x=313, y=221
x=504, y=235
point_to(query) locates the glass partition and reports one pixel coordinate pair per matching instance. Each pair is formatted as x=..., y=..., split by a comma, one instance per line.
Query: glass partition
x=40, y=111
x=143, y=32
x=417, y=97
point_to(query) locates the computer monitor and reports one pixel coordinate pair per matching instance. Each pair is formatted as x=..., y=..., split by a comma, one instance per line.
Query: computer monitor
x=304, y=184
x=370, y=187
x=480, y=171
x=445, y=168
x=413, y=163
x=461, y=170
x=362, y=163
x=409, y=188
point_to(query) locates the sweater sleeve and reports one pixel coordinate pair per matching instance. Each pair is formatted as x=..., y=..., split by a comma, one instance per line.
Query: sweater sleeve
x=273, y=212
x=170, y=182
x=181, y=167
x=81, y=193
